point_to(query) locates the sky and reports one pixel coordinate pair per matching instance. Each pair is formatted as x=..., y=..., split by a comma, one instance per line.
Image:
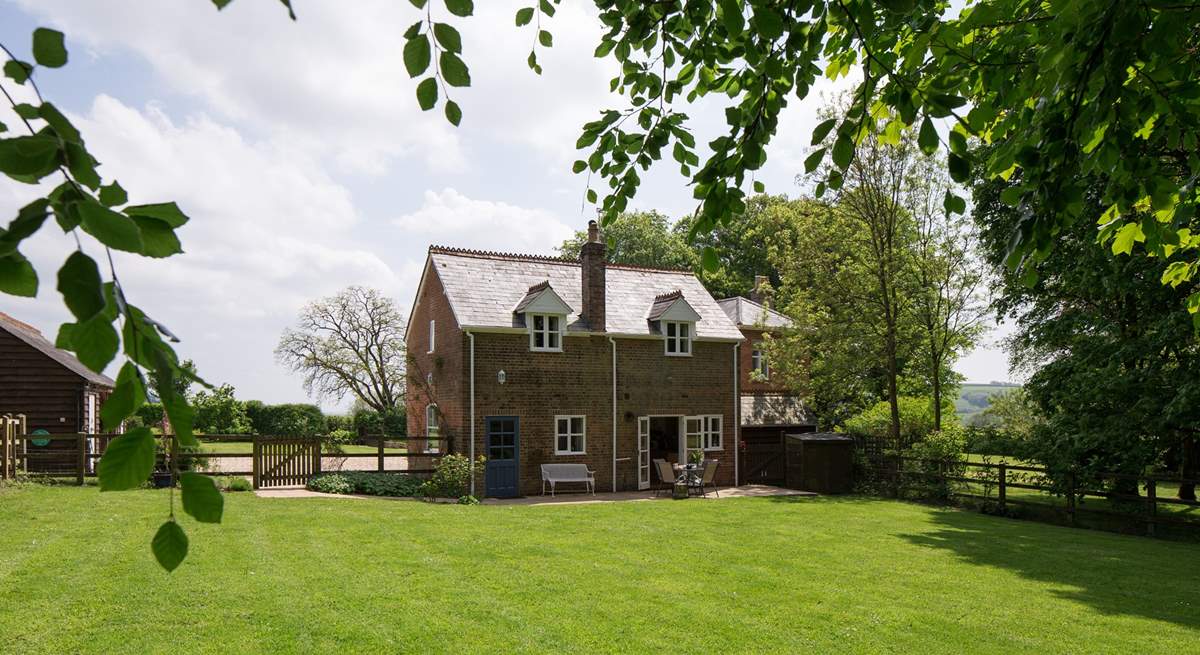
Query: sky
x=299, y=152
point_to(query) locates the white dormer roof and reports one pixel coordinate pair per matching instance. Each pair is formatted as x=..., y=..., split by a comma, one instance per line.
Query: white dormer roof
x=672, y=307
x=542, y=299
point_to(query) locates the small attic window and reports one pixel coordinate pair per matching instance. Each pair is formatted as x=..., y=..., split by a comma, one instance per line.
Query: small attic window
x=679, y=338
x=545, y=332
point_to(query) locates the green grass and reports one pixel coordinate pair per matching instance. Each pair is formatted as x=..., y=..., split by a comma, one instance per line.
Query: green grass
x=247, y=448
x=749, y=575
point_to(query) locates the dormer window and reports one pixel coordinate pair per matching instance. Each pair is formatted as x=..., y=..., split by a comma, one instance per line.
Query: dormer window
x=679, y=337
x=545, y=316
x=676, y=321
x=545, y=332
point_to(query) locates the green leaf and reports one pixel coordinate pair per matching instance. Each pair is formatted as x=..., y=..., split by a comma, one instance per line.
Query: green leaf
x=954, y=204
x=26, y=111
x=28, y=221
x=1129, y=234
x=960, y=168
x=417, y=55
x=524, y=16
x=427, y=93
x=81, y=287
x=460, y=7
x=201, y=498
x=29, y=156
x=128, y=461
x=93, y=341
x=822, y=130
x=178, y=411
x=545, y=38
x=221, y=3
x=454, y=71
x=1177, y=273
x=17, y=277
x=158, y=239
x=709, y=259
x=167, y=212
x=109, y=227
x=927, y=139
x=113, y=195
x=812, y=161
x=56, y=120
x=18, y=71
x=843, y=151
x=48, y=48
x=82, y=165
x=453, y=113
x=448, y=37
x=759, y=187
x=579, y=166
x=128, y=394
x=170, y=545
x=731, y=16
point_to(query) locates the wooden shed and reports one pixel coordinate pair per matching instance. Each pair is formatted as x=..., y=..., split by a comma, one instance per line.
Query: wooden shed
x=52, y=388
x=822, y=462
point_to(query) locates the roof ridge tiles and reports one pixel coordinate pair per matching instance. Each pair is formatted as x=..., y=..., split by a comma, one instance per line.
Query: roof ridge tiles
x=670, y=295
x=549, y=259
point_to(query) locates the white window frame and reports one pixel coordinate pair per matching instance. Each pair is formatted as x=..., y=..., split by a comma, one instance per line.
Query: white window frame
x=570, y=434
x=669, y=338
x=433, y=429
x=713, y=437
x=531, y=319
x=432, y=334
x=758, y=362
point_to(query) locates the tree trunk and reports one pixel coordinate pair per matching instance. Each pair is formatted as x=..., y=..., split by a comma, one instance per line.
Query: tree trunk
x=893, y=401
x=1189, y=467
x=937, y=394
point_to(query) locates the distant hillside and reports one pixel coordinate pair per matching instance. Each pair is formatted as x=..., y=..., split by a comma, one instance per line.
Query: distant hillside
x=974, y=398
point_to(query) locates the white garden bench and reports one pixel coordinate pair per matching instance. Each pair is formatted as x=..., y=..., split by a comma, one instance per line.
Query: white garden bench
x=555, y=473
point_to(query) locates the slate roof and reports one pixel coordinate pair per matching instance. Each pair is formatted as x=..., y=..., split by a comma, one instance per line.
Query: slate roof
x=484, y=287
x=773, y=409
x=30, y=335
x=747, y=313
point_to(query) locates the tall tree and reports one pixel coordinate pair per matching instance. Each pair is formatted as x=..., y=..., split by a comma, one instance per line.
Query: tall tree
x=638, y=238
x=1115, y=366
x=349, y=343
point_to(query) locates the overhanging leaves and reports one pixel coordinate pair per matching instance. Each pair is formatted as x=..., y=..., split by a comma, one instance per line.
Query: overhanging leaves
x=48, y=48
x=128, y=460
x=81, y=287
x=201, y=498
x=170, y=545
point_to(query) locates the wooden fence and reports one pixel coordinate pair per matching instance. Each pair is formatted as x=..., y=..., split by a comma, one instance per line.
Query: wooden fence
x=1003, y=487
x=75, y=456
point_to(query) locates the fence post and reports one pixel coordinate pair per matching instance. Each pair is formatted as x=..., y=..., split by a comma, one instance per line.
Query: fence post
x=1151, y=506
x=317, y=457
x=81, y=460
x=379, y=442
x=255, y=455
x=174, y=467
x=5, y=428
x=1071, y=497
x=1002, y=491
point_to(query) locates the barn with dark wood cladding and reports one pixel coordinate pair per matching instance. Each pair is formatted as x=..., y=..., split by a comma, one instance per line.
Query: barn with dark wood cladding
x=52, y=388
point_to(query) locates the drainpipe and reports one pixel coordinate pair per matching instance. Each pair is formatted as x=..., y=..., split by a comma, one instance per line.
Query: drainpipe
x=471, y=448
x=737, y=410
x=614, y=413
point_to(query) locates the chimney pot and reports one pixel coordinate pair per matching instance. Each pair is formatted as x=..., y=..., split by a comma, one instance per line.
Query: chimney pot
x=593, y=232
x=760, y=293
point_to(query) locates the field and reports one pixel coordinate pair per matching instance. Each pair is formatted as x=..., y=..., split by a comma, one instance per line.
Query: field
x=748, y=575
x=973, y=399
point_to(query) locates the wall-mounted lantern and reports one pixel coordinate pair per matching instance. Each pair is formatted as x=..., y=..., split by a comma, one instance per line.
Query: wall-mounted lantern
x=501, y=377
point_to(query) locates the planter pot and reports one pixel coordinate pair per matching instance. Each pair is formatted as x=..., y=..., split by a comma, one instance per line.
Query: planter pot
x=162, y=479
x=679, y=492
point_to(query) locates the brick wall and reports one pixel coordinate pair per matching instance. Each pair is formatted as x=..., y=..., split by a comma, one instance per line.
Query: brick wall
x=749, y=385
x=578, y=381
x=438, y=377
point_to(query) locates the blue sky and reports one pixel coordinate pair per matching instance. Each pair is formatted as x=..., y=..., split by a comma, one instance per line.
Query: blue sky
x=299, y=152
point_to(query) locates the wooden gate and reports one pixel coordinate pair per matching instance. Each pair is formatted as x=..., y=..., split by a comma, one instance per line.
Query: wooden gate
x=285, y=461
x=762, y=458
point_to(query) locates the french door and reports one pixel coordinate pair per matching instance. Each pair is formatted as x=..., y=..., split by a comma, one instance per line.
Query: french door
x=693, y=438
x=643, y=452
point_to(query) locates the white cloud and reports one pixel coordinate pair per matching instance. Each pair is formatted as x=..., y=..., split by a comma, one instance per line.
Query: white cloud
x=450, y=218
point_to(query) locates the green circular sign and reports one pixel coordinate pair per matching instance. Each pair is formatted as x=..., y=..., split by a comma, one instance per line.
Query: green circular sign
x=39, y=442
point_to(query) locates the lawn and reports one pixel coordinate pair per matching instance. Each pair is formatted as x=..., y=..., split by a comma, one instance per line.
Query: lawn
x=748, y=575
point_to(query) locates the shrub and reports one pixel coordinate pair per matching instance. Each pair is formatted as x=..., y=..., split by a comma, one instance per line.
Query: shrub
x=468, y=500
x=369, y=483
x=335, y=422
x=336, y=439
x=331, y=483
x=288, y=420
x=452, y=478
x=941, y=455
x=916, y=419
x=219, y=412
x=233, y=483
x=392, y=424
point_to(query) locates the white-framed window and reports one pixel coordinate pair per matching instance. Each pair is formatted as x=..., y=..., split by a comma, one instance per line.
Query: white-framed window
x=570, y=435
x=545, y=332
x=679, y=338
x=432, y=334
x=758, y=362
x=433, y=429
x=712, y=433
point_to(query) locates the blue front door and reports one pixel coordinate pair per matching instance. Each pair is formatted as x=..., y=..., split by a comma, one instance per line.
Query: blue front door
x=503, y=455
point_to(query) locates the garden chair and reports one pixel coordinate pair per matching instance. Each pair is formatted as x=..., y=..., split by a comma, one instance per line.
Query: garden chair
x=701, y=482
x=665, y=475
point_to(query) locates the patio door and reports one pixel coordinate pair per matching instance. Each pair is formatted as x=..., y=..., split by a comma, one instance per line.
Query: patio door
x=643, y=452
x=502, y=477
x=693, y=437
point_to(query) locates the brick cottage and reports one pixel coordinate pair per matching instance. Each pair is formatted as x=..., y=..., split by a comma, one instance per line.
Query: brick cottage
x=529, y=360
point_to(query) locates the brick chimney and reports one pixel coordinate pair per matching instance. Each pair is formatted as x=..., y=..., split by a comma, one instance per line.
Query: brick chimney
x=592, y=262
x=761, y=292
